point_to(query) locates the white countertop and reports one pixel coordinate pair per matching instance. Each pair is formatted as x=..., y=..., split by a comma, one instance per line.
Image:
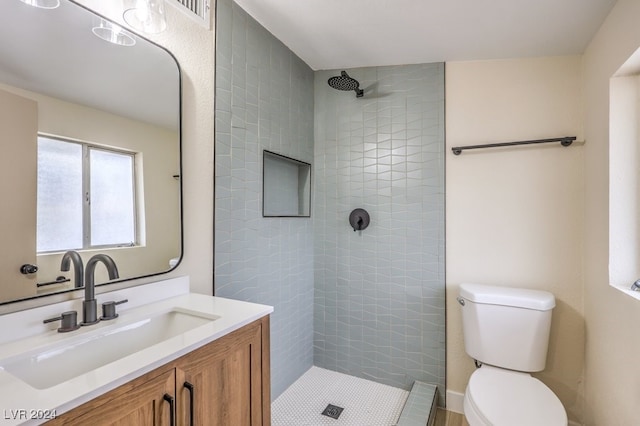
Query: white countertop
x=26, y=405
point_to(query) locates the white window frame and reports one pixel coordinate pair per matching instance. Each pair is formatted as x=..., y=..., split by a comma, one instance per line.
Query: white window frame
x=86, y=191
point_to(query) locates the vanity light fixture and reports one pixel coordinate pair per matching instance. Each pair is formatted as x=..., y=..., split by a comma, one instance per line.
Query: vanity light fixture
x=42, y=4
x=112, y=33
x=147, y=16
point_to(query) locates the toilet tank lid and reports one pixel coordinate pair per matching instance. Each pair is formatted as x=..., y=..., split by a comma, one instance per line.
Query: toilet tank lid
x=508, y=296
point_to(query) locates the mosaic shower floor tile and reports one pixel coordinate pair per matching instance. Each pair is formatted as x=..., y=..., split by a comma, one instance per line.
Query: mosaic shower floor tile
x=364, y=403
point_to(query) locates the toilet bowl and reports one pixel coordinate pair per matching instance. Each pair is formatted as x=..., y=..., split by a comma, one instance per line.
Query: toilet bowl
x=499, y=397
x=506, y=331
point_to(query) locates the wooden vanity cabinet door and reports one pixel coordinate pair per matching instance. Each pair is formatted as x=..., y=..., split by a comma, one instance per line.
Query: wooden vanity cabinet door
x=137, y=403
x=227, y=378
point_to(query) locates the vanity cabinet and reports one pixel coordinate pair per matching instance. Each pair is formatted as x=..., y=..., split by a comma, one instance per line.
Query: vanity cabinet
x=224, y=383
x=139, y=402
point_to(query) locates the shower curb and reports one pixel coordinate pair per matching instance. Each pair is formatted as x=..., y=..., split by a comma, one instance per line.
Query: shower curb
x=420, y=408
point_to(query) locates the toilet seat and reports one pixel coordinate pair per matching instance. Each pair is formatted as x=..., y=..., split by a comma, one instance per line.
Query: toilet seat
x=501, y=397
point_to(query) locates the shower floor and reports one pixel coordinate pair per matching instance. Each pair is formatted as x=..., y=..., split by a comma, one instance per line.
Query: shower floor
x=365, y=403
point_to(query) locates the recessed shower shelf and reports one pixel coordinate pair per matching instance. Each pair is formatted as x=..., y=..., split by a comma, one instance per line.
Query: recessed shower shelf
x=286, y=186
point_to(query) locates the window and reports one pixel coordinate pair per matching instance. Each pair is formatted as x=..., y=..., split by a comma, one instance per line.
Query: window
x=86, y=196
x=624, y=179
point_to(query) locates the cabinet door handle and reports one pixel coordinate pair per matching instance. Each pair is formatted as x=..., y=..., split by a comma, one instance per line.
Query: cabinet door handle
x=172, y=408
x=189, y=387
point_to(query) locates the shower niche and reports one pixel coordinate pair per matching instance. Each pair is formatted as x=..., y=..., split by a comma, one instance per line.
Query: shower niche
x=286, y=186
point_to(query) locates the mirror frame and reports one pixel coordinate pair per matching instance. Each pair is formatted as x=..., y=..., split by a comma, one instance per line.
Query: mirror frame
x=179, y=177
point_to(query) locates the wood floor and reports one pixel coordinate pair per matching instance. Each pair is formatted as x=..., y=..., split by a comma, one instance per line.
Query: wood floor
x=449, y=418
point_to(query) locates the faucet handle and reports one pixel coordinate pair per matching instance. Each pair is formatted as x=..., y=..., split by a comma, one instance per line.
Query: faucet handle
x=109, y=309
x=69, y=321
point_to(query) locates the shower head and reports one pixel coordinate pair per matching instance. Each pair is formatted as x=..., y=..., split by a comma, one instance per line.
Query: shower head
x=344, y=82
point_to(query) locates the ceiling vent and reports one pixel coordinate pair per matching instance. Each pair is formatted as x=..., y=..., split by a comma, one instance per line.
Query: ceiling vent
x=198, y=10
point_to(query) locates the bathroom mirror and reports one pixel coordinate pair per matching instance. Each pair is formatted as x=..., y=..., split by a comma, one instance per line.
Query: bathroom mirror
x=117, y=106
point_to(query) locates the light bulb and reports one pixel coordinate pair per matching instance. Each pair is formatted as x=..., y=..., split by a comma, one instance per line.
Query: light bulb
x=113, y=33
x=147, y=16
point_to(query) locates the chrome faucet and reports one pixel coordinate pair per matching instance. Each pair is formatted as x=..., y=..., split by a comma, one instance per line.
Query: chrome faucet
x=89, y=306
x=635, y=286
x=78, y=268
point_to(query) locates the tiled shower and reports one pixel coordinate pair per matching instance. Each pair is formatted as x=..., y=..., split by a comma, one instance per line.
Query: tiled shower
x=379, y=308
x=367, y=303
x=264, y=100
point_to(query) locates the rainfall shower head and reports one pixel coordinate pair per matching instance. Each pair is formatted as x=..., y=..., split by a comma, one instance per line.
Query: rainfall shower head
x=344, y=82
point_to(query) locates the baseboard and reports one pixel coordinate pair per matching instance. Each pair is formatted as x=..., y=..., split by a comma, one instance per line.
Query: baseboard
x=455, y=401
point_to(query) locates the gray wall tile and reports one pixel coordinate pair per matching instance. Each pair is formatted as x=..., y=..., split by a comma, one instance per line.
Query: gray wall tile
x=264, y=100
x=377, y=308
x=381, y=291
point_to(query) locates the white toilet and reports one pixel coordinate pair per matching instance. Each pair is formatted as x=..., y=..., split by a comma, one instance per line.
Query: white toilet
x=506, y=330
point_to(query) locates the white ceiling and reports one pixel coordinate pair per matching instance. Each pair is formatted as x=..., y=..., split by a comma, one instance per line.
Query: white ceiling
x=330, y=34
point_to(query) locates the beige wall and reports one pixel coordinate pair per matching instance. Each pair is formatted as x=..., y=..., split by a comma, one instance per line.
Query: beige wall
x=514, y=215
x=612, y=375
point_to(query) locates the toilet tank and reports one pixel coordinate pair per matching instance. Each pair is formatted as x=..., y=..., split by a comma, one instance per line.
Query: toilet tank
x=506, y=327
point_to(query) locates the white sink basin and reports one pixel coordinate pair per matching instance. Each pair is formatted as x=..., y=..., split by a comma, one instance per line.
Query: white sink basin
x=81, y=354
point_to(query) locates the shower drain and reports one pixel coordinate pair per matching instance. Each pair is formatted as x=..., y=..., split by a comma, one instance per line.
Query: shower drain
x=332, y=411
